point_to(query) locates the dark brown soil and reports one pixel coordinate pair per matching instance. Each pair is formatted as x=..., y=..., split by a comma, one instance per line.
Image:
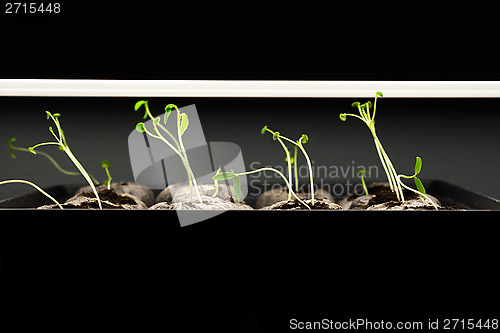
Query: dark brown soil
x=384, y=194
x=111, y=196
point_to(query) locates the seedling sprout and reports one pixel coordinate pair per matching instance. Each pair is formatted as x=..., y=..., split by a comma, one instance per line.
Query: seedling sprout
x=105, y=164
x=182, y=125
x=394, y=179
x=362, y=173
x=63, y=145
x=297, y=145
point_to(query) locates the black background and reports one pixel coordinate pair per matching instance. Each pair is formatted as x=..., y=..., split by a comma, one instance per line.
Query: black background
x=348, y=40
x=109, y=271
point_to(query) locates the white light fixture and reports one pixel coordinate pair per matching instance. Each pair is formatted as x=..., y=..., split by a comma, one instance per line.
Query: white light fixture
x=246, y=88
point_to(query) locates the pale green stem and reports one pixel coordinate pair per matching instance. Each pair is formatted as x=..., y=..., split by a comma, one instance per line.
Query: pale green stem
x=35, y=186
x=289, y=165
x=364, y=184
x=188, y=168
x=109, y=178
x=295, y=169
x=183, y=150
x=175, y=142
x=309, y=165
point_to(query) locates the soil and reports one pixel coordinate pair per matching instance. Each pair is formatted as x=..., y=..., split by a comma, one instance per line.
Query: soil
x=141, y=192
x=382, y=198
x=109, y=200
x=182, y=193
x=319, y=204
x=279, y=194
x=208, y=203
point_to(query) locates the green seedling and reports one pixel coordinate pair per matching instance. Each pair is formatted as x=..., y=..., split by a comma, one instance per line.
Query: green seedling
x=63, y=145
x=368, y=118
x=299, y=144
x=362, y=173
x=21, y=181
x=105, y=164
x=182, y=125
x=13, y=148
x=418, y=183
x=237, y=181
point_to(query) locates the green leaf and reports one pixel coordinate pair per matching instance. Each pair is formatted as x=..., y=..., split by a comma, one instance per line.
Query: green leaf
x=370, y=104
x=32, y=150
x=56, y=115
x=276, y=135
x=292, y=160
x=237, y=187
x=168, y=110
x=420, y=186
x=11, y=148
x=343, y=116
x=105, y=164
x=355, y=104
x=379, y=93
x=361, y=172
x=140, y=127
x=139, y=104
x=304, y=138
x=184, y=123
x=418, y=165
x=263, y=130
x=156, y=121
x=224, y=176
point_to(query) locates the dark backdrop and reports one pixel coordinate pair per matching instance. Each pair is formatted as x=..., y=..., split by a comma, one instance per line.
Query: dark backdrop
x=325, y=40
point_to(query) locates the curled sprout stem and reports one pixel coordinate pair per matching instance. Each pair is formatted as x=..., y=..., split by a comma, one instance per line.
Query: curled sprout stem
x=12, y=181
x=50, y=158
x=61, y=142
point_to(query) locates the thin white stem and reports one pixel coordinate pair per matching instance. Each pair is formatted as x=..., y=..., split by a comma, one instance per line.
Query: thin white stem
x=34, y=185
x=183, y=151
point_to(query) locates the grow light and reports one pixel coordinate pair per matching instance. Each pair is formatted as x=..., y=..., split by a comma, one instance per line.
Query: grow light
x=241, y=88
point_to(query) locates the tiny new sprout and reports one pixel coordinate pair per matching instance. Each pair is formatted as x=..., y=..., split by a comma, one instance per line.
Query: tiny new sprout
x=63, y=145
x=182, y=125
x=394, y=179
x=105, y=164
x=362, y=173
x=293, y=160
